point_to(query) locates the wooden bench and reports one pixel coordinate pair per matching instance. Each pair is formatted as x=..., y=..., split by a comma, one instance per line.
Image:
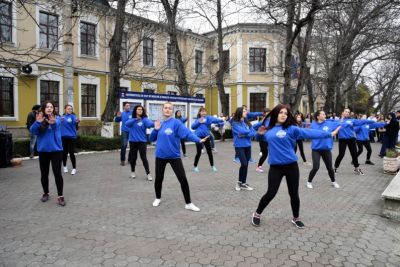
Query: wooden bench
x=391, y=197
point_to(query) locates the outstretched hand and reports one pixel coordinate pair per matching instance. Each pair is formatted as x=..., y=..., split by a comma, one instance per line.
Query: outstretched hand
x=157, y=125
x=262, y=130
x=335, y=132
x=119, y=114
x=204, y=139
x=39, y=117
x=51, y=119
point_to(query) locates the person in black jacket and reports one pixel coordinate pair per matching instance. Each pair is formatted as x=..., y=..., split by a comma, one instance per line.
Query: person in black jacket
x=390, y=135
x=29, y=121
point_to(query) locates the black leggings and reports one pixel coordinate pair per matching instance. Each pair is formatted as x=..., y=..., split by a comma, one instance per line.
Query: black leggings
x=183, y=146
x=301, y=148
x=179, y=171
x=134, y=147
x=367, y=145
x=275, y=175
x=69, y=148
x=264, y=151
x=327, y=158
x=199, y=146
x=343, y=143
x=244, y=155
x=44, y=161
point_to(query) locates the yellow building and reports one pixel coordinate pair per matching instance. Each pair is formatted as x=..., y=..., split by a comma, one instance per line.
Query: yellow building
x=37, y=35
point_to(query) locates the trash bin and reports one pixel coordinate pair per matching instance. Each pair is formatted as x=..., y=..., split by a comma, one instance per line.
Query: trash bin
x=6, y=149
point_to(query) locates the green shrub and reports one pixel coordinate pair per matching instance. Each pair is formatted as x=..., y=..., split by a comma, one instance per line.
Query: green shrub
x=391, y=153
x=97, y=143
x=21, y=148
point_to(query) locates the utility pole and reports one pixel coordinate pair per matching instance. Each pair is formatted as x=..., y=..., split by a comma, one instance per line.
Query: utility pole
x=68, y=53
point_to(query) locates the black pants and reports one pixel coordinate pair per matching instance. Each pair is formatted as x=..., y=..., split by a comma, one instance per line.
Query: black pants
x=351, y=143
x=199, y=146
x=301, y=148
x=134, y=148
x=367, y=145
x=69, y=148
x=244, y=155
x=183, y=146
x=179, y=171
x=44, y=160
x=275, y=175
x=327, y=158
x=264, y=151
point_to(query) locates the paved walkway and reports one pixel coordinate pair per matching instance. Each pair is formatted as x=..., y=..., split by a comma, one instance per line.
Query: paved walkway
x=109, y=220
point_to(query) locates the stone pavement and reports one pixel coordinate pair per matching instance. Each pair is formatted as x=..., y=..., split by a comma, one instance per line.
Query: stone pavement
x=109, y=219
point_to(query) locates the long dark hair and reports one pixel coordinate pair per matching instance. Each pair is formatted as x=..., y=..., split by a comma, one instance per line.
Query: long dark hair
x=176, y=114
x=237, y=116
x=200, y=110
x=144, y=114
x=45, y=123
x=273, y=115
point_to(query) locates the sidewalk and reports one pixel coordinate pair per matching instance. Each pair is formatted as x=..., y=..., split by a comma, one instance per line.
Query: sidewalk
x=109, y=219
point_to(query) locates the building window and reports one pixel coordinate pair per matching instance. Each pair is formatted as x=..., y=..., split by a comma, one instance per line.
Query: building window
x=149, y=91
x=257, y=59
x=88, y=100
x=200, y=95
x=257, y=101
x=148, y=52
x=124, y=47
x=88, y=39
x=49, y=91
x=5, y=22
x=170, y=57
x=48, y=24
x=6, y=97
x=172, y=93
x=225, y=61
x=198, y=61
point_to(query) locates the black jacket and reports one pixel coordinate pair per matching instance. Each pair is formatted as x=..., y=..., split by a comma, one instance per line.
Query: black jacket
x=30, y=119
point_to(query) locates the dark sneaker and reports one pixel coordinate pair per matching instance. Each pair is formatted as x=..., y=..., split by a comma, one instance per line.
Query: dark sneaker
x=255, y=221
x=369, y=162
x=299, y=224
x=335, y=169
x=245, y=186
x=44, y=198
x=61, y=201
x=358, y=172
x=122, y=163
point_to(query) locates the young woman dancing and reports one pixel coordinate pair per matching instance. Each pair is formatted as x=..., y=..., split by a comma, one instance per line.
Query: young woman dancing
x=281, y=135
x=137, y=126
x=69, y=123
x=168, y=134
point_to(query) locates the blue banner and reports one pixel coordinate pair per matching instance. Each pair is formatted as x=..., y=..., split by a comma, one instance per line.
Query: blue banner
x=161, y=97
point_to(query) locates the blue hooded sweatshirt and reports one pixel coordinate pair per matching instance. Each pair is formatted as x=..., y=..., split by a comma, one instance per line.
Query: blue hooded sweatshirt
x=182, y=119
x=347, y=130
x=168, y=138
x=242, y=134
x=326, y=126
x=68, y=126
x=362, y=132
x=48, y=140
x=281, y=142
x=137, y=129
x=203, y=129
x=125, y=116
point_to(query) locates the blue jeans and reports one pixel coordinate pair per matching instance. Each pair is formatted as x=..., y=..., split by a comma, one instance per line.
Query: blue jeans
x=32, y=143
x=124, y=144
x=244, y=154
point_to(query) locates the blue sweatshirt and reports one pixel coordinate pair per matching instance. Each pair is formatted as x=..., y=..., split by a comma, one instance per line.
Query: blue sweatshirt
x=257, y=126
x=182, y=119
x=68, y=126
x=281, y=142
x=253, y=115
x=363, y=131
x=242, y=134
x=168, y=138
x=50, y=139
x=137, y=129
x=326, y=126
x=125, y=116
x=347, y=130
x=203, y=129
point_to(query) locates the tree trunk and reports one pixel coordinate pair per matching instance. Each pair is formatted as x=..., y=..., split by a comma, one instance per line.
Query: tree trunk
x=221, y=71
x=288, y=52
x=179, y=65
x=115, y=57
x=69, y=54
x=310, y=92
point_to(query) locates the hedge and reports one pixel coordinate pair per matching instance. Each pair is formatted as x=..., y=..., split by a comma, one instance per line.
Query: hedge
x=90, y=143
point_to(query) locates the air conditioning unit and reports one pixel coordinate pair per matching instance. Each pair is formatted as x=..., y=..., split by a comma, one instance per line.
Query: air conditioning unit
x=29, y=70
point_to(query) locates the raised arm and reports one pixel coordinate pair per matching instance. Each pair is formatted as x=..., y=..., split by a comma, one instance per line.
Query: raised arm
x=129, y=123
x=239, y=130
x=305, y=133
x=185, y=133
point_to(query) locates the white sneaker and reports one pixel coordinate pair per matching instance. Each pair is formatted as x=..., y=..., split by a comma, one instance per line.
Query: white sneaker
x=214, y=150
x=73, y=172
x=133, y=175
x=307, y=163
x=202, y=151
x=65, y=169
x=149, y=178
x=335, y=185
x=156, y=202
x=260, y=154
x=309, y=185
x=237, y=187
x=192, y=207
